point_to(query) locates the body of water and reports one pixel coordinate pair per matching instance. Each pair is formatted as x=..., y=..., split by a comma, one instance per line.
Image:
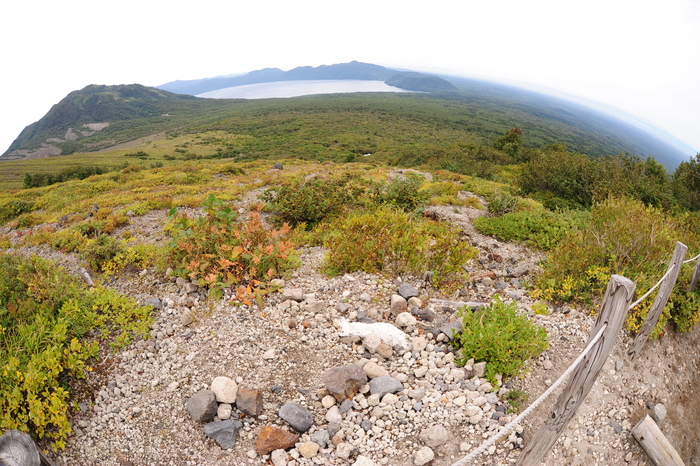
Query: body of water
x=299, y=88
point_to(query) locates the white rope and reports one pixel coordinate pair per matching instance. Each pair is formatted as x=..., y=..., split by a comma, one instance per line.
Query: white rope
x=691, y=260
x=484, y=446
x=668, y=272
x=511, y=425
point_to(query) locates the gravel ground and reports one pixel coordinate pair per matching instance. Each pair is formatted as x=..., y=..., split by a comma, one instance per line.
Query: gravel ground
x=133, y=407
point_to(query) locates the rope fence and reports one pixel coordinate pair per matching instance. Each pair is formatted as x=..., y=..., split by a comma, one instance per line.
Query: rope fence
x=511, y=425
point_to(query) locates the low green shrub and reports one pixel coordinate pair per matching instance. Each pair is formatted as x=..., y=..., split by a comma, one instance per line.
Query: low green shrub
x=100, y=250
x=501, y=337
x=388, y=239
x=403, y=192
x=45, y=315
x=539, y=228
x=12, y=208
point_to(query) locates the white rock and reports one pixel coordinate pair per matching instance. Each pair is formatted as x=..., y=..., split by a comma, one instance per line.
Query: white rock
x=343, y=450
x=419, y=343
x=328, y=401
x=333, y=415
x=225, y=389
x=424, y=456
x=279, y=458
x=224, y=411
x=385, y=331
x=405, y=320
x=363, y=461
x=270, y=354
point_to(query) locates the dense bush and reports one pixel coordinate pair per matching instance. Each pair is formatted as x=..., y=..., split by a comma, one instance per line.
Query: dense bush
x=403, y=192
x=13, y=208
x=310, y=201
x=388, y=239
x=561, y=179
x=44, y=312
x=625, y=237
x=686, y=183
x=501, y=337
x=72, y=173
x=219, y=252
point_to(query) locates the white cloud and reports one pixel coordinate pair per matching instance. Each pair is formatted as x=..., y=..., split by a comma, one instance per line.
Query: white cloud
x=642, y=56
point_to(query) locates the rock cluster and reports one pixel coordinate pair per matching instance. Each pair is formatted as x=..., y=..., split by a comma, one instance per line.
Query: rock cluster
x=365, y=406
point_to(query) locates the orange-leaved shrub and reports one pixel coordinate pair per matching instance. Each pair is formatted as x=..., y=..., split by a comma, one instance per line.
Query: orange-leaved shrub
x=217, y=251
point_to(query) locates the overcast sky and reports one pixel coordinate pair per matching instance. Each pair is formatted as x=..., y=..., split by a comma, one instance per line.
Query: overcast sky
x=640, y=56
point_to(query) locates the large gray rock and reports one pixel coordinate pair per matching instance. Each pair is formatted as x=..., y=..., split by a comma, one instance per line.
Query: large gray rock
x=384, y=384
x=224, y=433
x=202, y=406
x=297, y=416
x=406, y=291
x=343, y=382
x=434, y=436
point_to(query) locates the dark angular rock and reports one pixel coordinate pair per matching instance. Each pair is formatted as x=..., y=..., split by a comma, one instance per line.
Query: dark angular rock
x=449, y=327
x=202, y=406
x=345, y=406
x=278, y=166
x=223, y=432
x=425, y=314
x=321, y=437
x=297, y=416
x=343, y=382
x=383, y=385
x=273, y=438
x=250, y=401
x=406, y=291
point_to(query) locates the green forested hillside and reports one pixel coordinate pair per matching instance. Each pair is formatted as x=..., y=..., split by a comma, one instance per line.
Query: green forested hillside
x=411, y=127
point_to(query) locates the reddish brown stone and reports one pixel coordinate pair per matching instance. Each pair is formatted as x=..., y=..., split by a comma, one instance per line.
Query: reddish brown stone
x=249, y=400
x=273, y=438
x=343, y=382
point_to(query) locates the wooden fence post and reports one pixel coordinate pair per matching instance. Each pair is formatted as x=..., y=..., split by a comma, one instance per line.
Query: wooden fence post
x=661, y=299
x=696, y=273
x=616, y=302
x=655, y=443
x=18, y=449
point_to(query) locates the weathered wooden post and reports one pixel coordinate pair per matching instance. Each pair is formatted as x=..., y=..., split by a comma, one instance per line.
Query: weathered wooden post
x=655, y=443
x=696, y=273
x=616, y=302
x=661, y=299
x=18, y=449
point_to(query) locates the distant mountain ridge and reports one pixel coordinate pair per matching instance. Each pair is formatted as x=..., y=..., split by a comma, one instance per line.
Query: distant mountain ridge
x=99, y=117
x=408, y=80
